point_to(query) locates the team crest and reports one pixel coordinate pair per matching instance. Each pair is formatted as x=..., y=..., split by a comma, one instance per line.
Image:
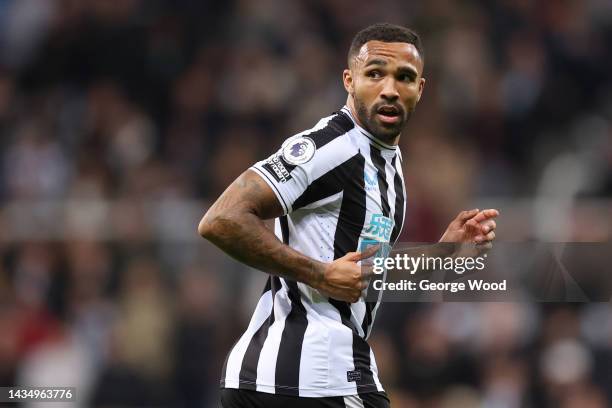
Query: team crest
x=299, y=151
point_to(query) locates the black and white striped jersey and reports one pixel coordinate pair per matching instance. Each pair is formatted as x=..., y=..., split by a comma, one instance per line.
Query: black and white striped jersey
x=341, y=190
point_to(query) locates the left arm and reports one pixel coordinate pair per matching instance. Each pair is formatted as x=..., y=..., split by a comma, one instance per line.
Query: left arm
x=468, y=228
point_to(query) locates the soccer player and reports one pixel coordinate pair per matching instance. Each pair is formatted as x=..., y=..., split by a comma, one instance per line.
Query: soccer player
x=334, y=190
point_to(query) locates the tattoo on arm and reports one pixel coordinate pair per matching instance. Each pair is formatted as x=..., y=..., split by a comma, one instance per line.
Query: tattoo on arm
x=235, y=224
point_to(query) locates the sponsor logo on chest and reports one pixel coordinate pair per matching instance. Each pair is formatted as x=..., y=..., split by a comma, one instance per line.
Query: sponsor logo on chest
x=379, y=228
x=371, y=181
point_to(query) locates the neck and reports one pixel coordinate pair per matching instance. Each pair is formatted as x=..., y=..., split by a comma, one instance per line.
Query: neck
x=393, y=141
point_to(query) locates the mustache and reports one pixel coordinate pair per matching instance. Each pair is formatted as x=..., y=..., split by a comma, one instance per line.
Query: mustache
x=396, y=106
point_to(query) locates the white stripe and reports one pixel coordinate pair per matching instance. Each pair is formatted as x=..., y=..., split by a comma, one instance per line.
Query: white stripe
x=374, y=369
x=353, y=401
x=314, y=359
x=266, y=367
x=319, y=226
x=234, y=362
x=328, y=157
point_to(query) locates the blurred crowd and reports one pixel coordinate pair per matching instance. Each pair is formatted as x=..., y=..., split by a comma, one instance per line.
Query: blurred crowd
x=121, y=120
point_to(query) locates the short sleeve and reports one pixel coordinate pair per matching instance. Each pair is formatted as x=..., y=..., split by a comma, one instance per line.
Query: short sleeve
x=285, y=172
x=299, y=163
x=304, y=158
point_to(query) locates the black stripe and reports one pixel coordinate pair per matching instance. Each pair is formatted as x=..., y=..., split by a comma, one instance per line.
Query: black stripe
x=399, y=203
x=248, y=370
x=353, y=207
x=383, y=186
x=268, y=285
x=284, y=226
x=349, y=227
x=361, y=350
x=367, y=318
x=336, y=126
x=287, y=374
x=328, y=184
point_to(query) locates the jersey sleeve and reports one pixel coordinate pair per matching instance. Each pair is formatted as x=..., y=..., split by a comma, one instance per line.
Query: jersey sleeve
x=298, y=163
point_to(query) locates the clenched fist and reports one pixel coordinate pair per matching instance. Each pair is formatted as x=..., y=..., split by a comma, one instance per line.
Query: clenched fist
x=344, y=279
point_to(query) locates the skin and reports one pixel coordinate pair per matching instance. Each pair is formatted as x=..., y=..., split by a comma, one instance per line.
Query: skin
x=384, y=74
x=380, y=74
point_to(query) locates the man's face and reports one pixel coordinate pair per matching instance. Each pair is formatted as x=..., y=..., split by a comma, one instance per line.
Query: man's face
x=385, y=82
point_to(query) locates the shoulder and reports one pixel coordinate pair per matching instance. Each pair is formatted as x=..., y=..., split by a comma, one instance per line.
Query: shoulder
x=330, y=128
x=328, y=140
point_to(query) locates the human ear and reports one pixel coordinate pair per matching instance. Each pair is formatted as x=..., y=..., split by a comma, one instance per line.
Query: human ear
x=347, y=79
x=421, y=86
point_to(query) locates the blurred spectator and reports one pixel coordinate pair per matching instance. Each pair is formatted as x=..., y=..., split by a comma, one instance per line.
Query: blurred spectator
x=120, y=121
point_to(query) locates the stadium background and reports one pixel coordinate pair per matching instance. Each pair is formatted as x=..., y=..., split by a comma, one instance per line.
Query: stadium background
x=120, y=121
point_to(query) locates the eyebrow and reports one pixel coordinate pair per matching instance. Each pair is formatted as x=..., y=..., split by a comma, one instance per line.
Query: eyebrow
x=376, y=62
x=403, y=70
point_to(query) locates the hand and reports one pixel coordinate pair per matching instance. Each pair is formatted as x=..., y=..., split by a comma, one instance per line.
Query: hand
x=344, y=279
x=473, y=226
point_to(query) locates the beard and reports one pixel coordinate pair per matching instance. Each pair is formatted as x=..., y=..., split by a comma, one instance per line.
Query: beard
x=386, y=132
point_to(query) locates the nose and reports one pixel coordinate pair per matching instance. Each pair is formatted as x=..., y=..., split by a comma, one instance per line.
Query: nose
x=389, y=90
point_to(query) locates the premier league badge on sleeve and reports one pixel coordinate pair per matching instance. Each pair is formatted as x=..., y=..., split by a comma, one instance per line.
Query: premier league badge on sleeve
x=299, y=150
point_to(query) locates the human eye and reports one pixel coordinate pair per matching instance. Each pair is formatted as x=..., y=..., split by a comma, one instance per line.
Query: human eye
x=374, y=74
x=405, y=78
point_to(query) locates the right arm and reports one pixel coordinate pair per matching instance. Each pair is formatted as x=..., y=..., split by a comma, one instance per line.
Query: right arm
x=235, y=223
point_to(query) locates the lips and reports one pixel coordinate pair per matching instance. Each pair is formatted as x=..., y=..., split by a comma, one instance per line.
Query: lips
x=388, y=110
x=388, y=113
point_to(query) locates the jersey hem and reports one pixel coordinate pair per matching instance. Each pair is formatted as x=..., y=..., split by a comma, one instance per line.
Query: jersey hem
x=304, y=392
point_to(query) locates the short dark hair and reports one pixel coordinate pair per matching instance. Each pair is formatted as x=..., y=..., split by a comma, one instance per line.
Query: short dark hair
x=384, y=32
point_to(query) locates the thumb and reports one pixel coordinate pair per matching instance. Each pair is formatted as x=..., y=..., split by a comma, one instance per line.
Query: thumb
x=358, y=256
